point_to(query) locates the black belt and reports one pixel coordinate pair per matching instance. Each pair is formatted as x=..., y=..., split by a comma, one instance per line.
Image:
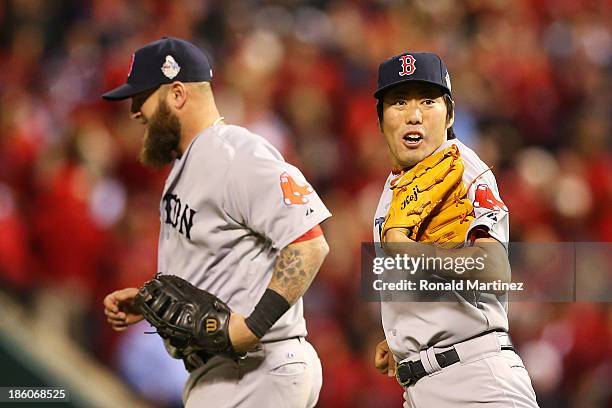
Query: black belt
x=409, y=372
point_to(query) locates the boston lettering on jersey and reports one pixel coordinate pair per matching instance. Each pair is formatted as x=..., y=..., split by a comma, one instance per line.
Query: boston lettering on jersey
x=178, y=214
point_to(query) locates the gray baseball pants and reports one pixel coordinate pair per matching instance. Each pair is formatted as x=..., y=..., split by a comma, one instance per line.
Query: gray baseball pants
x=283, y=374
x=485, y=376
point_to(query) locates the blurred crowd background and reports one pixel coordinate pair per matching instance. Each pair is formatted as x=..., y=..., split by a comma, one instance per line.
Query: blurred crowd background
x=79, y=214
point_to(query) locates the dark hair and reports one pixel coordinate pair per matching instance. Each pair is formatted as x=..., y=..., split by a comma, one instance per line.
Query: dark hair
x=450, y=112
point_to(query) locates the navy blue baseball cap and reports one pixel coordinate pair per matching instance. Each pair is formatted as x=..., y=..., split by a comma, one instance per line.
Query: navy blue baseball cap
x=163, y=62
x=412, y=66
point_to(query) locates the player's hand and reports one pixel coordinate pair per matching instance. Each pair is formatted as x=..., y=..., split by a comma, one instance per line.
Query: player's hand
x=397, y=235
x=395, y=242
x=120, y=310
x=241, y=337
x=383, y=359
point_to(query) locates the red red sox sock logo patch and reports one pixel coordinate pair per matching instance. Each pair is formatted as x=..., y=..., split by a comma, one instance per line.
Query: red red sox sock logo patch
x=407, y=65
x=486, y=199
x=293, y=193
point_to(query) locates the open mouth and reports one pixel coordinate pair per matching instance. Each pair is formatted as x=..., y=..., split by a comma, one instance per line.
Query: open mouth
x=412, y=139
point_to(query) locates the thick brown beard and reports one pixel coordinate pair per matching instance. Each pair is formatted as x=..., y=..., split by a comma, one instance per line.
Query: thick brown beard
x=161, y=142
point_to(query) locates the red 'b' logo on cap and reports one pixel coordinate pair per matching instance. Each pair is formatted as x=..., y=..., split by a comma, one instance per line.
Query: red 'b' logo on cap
x=407, y=65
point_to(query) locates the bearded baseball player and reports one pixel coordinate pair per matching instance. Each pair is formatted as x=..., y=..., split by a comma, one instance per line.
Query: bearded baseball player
x=441, y=200
x=239, y=244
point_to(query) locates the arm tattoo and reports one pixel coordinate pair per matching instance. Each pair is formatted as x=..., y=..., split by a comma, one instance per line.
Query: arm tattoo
x=295, y=268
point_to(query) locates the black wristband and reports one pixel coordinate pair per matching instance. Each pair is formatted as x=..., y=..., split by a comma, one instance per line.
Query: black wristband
x=270, y=308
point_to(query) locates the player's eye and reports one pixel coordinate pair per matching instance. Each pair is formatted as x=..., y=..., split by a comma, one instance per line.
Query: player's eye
x=140, y=99
x=136, y=105
x=137, y=102
x=400, y=102
x=429, y=102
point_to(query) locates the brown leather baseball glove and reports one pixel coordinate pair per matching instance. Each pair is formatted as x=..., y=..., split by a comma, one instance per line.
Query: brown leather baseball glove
x=430, y=200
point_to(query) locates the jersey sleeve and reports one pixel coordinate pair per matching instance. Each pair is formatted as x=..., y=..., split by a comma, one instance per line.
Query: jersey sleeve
x=313, y=233
x=490, y=212
x=271, y=197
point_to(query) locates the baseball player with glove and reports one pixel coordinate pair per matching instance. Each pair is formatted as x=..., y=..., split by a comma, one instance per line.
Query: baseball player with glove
x=239, y=244
x=442, y=201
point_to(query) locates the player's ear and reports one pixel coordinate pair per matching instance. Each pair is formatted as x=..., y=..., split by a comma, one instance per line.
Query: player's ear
x=450, y=113
x=177, y=95
x=450, y=121
x=379, y=112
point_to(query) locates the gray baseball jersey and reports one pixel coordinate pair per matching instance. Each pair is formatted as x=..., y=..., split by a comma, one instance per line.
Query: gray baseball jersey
x=413, y=326
x=229, y=205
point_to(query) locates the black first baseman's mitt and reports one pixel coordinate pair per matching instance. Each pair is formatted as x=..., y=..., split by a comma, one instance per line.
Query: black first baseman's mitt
x=188, y=317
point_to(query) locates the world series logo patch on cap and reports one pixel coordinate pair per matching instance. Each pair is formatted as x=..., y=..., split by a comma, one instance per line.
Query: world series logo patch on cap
x=170, y=67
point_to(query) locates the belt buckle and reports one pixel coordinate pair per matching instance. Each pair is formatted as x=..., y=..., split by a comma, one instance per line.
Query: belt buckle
x=404, y=368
